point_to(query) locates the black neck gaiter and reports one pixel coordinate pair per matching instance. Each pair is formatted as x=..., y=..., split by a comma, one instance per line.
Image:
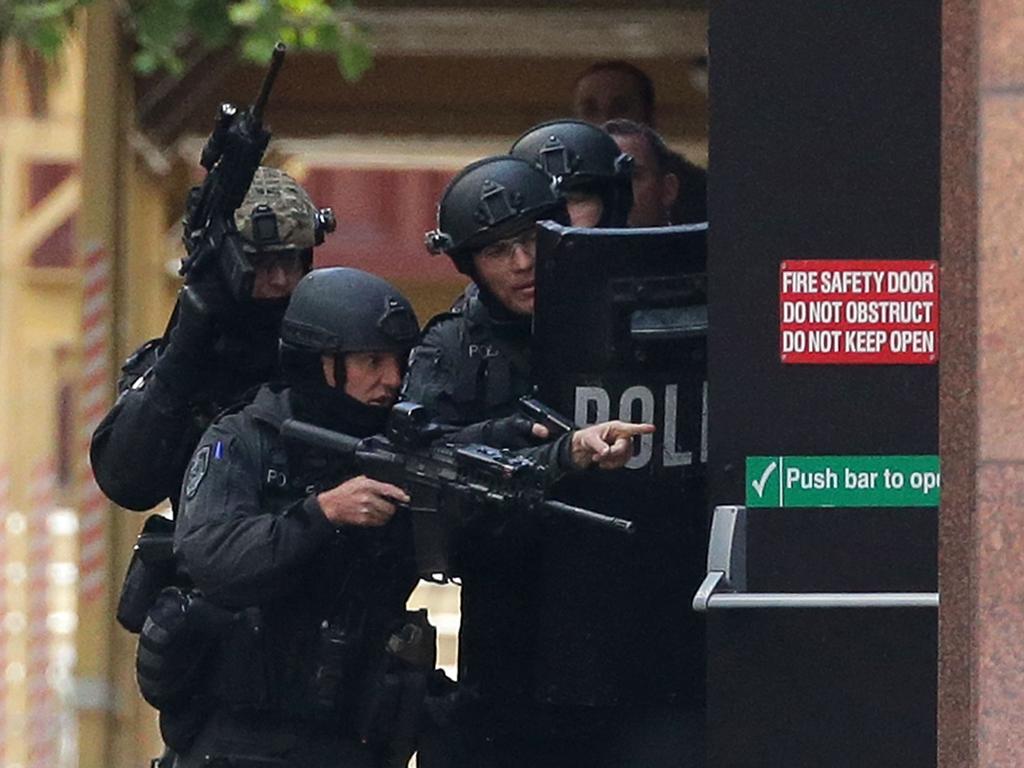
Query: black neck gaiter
x=331, y=408
x=502, y=321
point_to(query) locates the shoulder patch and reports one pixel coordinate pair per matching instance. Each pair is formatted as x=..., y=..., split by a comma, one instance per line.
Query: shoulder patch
x=197, y=471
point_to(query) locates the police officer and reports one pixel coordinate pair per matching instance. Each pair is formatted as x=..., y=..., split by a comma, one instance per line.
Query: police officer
x=313, y=561
x=620, y=92
x=294, y=534
x=472, y=365
x=474, y=362
x=591, y=172
x=667, y=188
x=216, y=349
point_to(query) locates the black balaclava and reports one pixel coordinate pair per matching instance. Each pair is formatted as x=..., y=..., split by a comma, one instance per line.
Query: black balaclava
x=313, y=400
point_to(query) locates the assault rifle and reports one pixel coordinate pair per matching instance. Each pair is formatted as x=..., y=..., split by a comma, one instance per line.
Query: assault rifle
x=447, y=482
x=231, y=156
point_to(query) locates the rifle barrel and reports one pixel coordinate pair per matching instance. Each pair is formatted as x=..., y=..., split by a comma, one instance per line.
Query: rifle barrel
x=276, y=60
x=320, y=437
x=589, y=516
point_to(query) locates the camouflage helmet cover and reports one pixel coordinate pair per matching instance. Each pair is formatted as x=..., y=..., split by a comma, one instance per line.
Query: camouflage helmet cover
x=277, y=214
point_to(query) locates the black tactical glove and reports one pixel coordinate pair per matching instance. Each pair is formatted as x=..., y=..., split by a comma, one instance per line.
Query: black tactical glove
x=188, y=354
x=509, y=432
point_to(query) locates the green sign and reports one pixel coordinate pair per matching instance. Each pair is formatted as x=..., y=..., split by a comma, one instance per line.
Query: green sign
x=843, y=481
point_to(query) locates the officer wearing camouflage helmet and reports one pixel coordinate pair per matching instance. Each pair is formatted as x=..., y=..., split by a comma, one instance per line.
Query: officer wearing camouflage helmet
x=590, y=170
x=292, y=540
x=217, y=348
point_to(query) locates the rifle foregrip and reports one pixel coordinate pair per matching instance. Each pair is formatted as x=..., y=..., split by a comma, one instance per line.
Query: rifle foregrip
x=618, y=524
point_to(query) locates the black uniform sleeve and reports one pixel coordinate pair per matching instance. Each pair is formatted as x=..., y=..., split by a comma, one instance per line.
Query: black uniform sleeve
x=139, y=451
x=514, y=433
x=237, y=553
x=555, y=456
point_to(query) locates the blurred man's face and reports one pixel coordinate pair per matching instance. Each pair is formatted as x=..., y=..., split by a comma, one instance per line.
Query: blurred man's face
x=608, y=94
x=584, y=208
x=505, y=268
x=372, y=378
x=654, y=192
x=276, y=274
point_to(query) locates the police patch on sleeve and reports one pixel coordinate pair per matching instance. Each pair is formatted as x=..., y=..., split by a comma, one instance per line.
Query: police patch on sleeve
x=197, y=471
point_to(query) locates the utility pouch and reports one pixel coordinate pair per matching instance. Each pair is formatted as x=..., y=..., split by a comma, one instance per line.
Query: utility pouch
x=149, y=571
x=175, y=646
x=337, y=647
x=390, y=706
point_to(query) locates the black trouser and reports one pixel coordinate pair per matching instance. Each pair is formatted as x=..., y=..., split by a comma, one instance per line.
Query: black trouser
x=651, y=736
x=251, y=740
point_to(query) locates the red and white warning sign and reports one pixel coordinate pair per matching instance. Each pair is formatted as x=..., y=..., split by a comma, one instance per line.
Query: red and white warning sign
x=859, y=312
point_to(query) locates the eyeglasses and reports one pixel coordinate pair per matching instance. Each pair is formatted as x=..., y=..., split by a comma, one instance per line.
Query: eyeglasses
x=503, y=249
x=287, y=261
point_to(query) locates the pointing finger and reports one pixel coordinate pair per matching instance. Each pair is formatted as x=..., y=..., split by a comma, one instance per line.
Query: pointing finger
x=618, y=429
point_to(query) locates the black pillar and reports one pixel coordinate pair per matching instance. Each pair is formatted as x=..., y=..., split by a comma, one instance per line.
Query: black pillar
x=824, y=144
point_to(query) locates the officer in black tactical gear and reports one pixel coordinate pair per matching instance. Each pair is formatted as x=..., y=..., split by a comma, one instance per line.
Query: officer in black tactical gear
x=217, y=348
x=312, y=564
x=472, y=365
x=313, y=561
x=486, y=226
x=592, y=173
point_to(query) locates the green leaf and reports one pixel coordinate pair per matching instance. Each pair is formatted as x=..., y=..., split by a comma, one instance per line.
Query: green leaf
x=210, y=19
x=298, y=7
x=290, y=36
x=310, y=38
x=309, y=13
x=258, y=47
x=40, y=12
x=329, y=37
x=246, y=13
x=161, y=27
x=48, y=39
x=145, y=62
x=354, y=58
x=160, y=23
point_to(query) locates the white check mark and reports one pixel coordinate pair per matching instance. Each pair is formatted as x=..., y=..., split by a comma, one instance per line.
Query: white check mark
x=759, y=484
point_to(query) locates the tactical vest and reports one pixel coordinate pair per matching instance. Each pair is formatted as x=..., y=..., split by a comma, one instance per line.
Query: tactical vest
x=493, y=362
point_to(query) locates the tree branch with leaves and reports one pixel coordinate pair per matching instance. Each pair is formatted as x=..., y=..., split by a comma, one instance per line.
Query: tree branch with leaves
x=163, y=30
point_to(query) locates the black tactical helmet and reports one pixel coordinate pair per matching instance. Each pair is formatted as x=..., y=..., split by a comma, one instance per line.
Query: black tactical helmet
x=277, y=214
x=338, y=309
x=582, y=157
x=489, y=200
